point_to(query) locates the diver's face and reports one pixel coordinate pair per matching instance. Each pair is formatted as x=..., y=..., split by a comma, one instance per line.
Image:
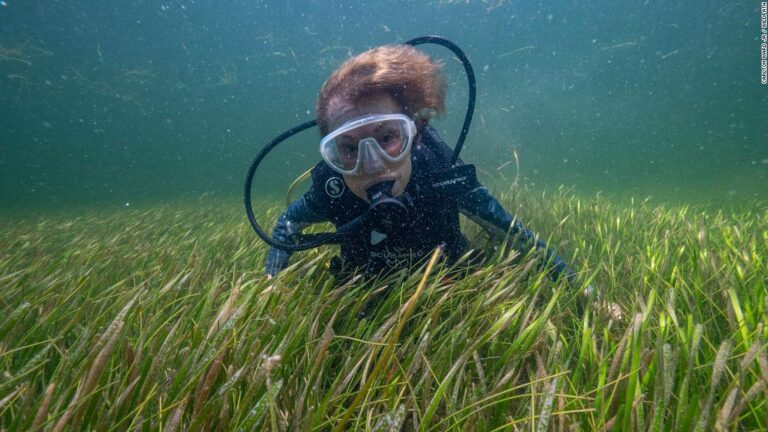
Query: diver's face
x=341, y=111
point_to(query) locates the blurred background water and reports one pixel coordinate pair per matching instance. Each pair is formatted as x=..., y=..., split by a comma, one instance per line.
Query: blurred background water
x=134, y=103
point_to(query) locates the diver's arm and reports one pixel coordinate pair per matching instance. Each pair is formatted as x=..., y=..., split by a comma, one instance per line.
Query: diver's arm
x=484, y=209
x=295, y=218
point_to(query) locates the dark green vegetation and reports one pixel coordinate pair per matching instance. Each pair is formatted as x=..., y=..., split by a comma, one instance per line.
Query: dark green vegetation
x=159, y=319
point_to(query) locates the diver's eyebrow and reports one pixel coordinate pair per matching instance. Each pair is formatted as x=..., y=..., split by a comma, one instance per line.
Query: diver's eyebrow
x=346, y=139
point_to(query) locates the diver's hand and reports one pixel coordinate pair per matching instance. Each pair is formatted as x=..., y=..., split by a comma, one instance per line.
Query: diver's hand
x=603, y=307
x=609, y=310
x=269, y=287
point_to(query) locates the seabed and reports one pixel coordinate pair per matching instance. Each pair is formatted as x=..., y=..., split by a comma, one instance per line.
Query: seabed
x=160, y=318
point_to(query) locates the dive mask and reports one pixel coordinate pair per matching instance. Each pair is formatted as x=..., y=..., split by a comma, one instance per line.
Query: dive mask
x=362, y=144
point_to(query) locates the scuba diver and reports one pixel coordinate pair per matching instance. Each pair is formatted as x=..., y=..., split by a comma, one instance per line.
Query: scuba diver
x=388, y=182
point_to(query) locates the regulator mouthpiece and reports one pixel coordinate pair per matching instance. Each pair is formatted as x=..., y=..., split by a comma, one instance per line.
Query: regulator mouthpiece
x=385, y=211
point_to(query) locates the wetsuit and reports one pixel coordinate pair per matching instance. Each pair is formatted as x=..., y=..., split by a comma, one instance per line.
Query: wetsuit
x=431, y=220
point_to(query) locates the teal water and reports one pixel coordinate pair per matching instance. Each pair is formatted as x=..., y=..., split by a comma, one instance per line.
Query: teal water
x=133, y=103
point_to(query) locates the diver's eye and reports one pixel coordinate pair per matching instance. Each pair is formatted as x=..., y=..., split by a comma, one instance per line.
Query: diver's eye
x=391, y=142
x=348, y=150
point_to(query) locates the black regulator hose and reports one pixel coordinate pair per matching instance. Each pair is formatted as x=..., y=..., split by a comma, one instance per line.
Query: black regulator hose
x=249, y=182
x=470, y=79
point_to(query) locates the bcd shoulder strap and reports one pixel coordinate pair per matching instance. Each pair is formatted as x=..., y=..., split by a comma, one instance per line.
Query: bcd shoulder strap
x=446, y=181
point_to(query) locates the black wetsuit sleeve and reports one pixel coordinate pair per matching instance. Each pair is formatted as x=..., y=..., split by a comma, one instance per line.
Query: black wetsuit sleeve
x=480, y=206
x=296, y=217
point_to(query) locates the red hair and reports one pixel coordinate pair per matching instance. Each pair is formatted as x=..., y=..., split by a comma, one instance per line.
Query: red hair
x=410, y=77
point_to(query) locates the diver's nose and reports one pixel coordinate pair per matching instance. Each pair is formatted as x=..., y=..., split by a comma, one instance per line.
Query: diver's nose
x=372, y=166
x=370, y=161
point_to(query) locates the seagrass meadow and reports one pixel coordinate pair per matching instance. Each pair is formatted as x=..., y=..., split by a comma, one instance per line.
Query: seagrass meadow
x=158, y=318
